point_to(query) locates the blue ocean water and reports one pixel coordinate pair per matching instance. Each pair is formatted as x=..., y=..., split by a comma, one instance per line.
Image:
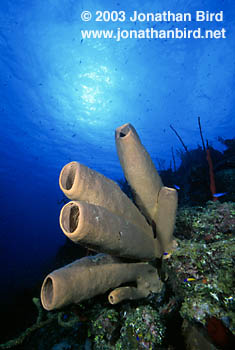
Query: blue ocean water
x=62, y=96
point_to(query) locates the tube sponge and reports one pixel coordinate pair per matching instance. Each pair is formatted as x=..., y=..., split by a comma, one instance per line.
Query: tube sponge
x=89, y=276
x=157, y=202
x=101, y=217
x=165, y=218
x=139, y=170
x=98, y=229
x=81, y=183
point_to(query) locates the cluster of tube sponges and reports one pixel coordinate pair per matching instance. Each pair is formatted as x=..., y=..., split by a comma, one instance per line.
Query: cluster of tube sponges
x=127, y=235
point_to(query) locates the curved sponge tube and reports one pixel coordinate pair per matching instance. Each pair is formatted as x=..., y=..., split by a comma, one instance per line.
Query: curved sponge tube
x=97, y=228
x=139, y=170
x=90, y=276
x=81, y=183
x=157, y=202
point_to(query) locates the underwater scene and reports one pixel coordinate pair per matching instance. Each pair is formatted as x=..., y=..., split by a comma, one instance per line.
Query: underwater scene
x=117, y=175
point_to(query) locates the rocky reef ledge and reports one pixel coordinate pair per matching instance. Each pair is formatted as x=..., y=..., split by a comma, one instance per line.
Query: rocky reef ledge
x=194, y=310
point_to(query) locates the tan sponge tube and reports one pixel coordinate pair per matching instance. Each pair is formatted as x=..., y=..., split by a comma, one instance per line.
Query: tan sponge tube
x=165, y=219
x=90, y=276
x=97, y=228
x=79, y=182
x=101, y=217
x=157, y=202
x=139, y=170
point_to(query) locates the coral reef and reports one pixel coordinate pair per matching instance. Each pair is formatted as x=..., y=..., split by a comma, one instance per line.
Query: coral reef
x=138, y=327
x=197, y=175
x=200, y=271
x=143, y=328
x=183, y=302
x=214, y=222
x=195, y=309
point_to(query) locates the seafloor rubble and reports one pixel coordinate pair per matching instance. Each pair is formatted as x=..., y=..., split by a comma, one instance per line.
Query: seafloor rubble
x=194, y=310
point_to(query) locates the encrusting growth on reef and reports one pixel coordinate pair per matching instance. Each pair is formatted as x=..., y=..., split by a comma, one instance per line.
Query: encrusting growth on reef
x=102, y=218
x=194, y=310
